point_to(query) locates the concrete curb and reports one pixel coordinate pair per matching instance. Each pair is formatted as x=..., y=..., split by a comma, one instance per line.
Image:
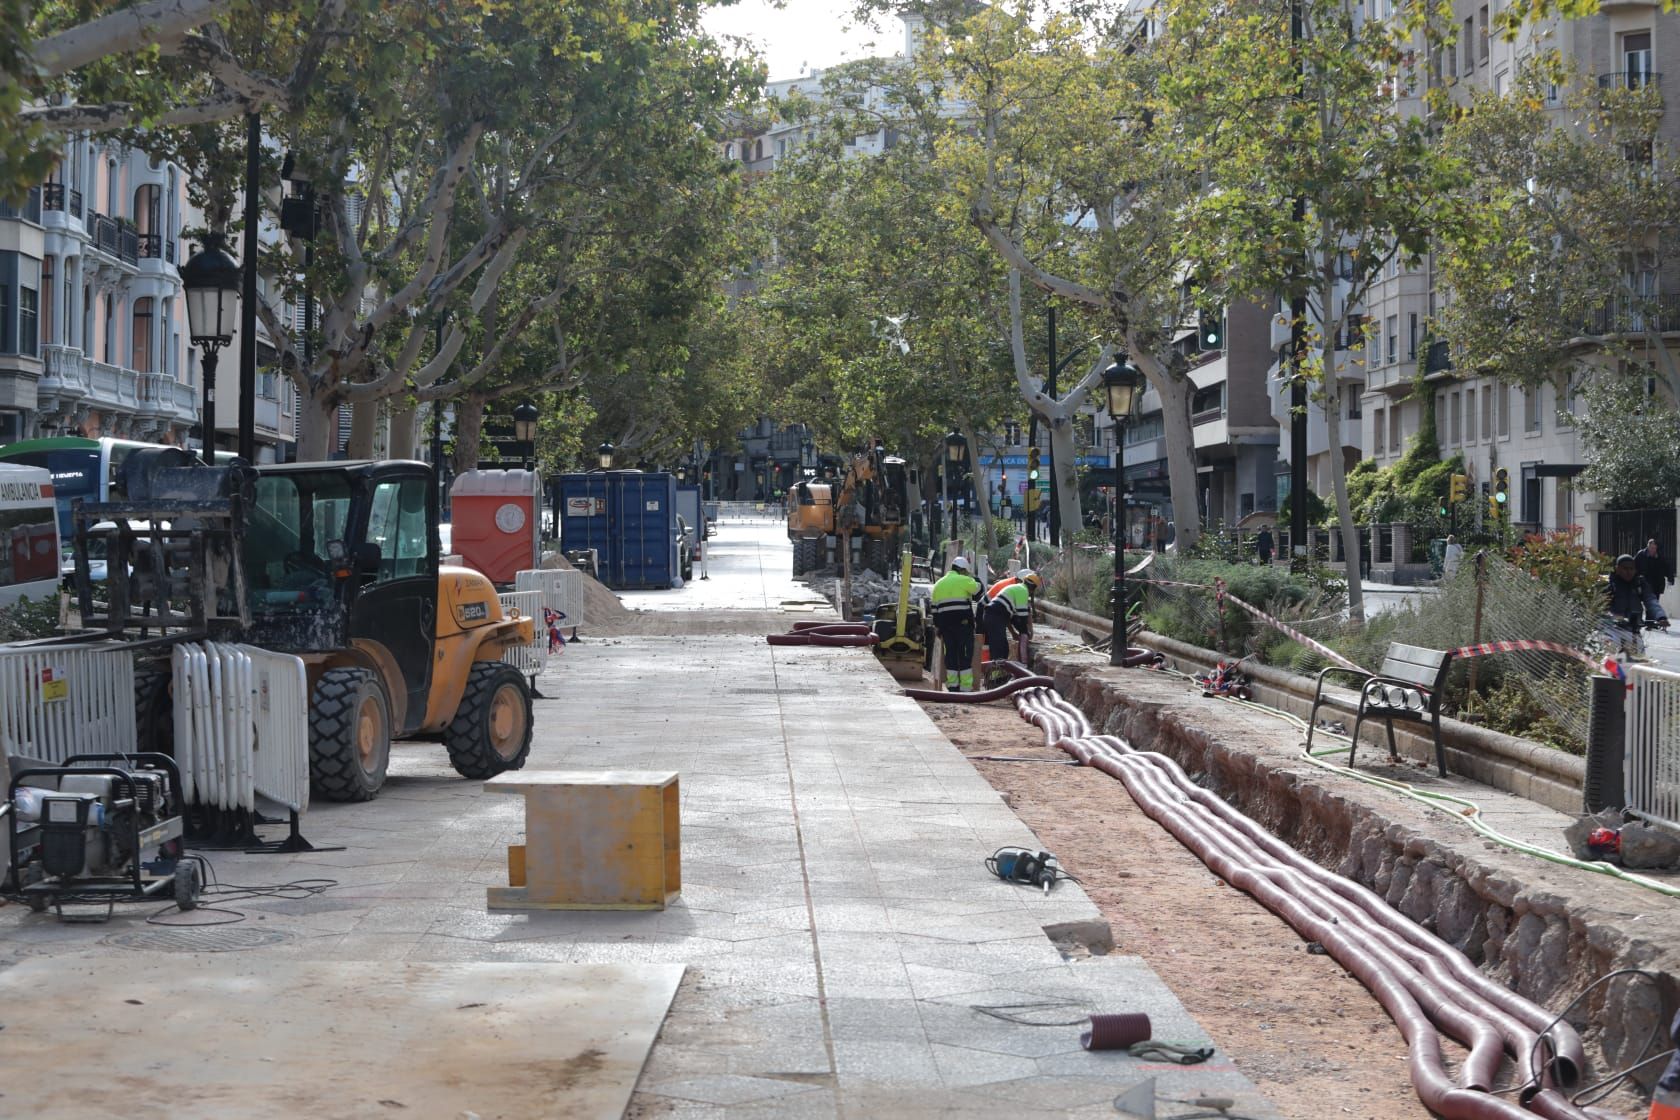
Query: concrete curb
x=1533, y=770
x=1542, y=929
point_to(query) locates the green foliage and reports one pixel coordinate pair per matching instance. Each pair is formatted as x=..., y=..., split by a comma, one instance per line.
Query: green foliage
x=28, y=619
x=1318, y=511
x=1510, y=709
x=1632, y=441
x=1561, y=560
x=1541, y=257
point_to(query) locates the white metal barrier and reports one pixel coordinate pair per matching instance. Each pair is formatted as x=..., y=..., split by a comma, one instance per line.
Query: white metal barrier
x=562, y=591
x=529, y=660
x=59, y=701
x=241, y=725
x=1652, y=766
x=750, y=511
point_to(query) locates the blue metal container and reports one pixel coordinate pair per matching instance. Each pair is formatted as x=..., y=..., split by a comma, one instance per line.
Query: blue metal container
x=630, y=519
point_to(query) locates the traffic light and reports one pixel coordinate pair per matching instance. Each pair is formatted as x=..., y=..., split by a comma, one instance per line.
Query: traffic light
x=1501, y=490
x=1032, y=467
x=1210, y=330
x=1458, y=488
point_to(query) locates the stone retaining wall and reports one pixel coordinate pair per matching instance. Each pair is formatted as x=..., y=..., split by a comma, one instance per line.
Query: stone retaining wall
x=1542, y=929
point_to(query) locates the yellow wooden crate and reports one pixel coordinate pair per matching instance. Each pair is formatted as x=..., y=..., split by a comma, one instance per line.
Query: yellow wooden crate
x=594, y=840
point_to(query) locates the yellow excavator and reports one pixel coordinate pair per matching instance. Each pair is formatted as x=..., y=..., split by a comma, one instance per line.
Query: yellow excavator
x=871, y=499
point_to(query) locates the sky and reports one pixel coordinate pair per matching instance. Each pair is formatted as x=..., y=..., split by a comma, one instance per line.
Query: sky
x=804, y=34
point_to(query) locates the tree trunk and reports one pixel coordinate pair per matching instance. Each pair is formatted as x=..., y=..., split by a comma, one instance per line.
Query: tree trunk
x=364, y=427
x=469, y=429
x=402, y=441
x=1174, y=389
x=317, y=428
x=1344, y=512
x=1065, y=462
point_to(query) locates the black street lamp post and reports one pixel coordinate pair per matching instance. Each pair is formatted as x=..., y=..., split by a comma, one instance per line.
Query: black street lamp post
x=525, y=431
x=955, y=447
x=1123, y=382
x=212, y=281
x=604, y=455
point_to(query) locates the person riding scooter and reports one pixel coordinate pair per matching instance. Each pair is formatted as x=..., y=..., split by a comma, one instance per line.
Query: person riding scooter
x=1631, y=600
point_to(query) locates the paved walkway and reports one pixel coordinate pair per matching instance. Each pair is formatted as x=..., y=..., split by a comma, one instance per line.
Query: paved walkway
x=838, y=927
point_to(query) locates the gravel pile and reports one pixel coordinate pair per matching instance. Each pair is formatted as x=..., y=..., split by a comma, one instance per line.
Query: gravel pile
x=869, y=589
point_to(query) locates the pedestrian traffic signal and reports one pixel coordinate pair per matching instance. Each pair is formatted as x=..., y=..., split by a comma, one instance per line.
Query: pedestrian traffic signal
x=1032, y=467
x=1502, y=487
x=1458, y=488
x=1031, y=499
x=1210, y=330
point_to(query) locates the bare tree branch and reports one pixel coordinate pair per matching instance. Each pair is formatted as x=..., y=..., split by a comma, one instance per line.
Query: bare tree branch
x=121, y=32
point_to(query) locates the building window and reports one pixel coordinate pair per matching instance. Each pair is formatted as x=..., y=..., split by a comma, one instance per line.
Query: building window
x=1636, y=59
x=1531, y=415
x=1487, y=412
x=110, y=329
x=1411, y=336
x=1469, y=416
x=166, y=324
x=140, y=338
x=1503, y=393
x=1394, y=429
x=6, y=319
x=29, y=326
x=1455, y=426
x=1466, y=46
x=112, y=193
x=1378, y=419
x=1482, y=35
x=1530, y=495
x=1393, y=324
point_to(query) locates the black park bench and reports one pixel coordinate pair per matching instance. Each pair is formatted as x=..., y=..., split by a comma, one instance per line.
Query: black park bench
x=1408, y=687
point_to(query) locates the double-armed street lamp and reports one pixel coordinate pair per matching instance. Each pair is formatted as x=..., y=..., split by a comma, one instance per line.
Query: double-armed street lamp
x=1123, y=382
x=212, y=281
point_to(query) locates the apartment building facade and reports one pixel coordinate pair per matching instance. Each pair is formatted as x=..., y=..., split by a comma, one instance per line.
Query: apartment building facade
x=93, y=328
x=1530, y=432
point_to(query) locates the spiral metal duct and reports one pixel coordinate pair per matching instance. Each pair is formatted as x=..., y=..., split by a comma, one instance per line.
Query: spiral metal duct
x=1429, y=988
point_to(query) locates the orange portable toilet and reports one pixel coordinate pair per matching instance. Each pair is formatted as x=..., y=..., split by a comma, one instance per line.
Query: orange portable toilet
x=497, y=521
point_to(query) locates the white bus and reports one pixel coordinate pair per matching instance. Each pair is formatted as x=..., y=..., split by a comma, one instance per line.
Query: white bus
x=28, y=534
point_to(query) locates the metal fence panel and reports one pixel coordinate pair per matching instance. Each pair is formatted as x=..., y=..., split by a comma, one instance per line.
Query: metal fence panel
x=532, y=659
x=63, y=700
x=241, y=725
x=1653, y=745
x=561, y=590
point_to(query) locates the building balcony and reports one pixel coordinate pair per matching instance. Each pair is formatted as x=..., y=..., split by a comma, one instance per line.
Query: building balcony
x=1630, y=79
x=58, y=197
x=115, y=238
x=1626, y=316
x=30, y=211
x=65, y=376
x=113, y=388
x=155, y=398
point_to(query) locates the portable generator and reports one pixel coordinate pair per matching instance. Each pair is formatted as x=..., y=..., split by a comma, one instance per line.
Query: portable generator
x=83, y=830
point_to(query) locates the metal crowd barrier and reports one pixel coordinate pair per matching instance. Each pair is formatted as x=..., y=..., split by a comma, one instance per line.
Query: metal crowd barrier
x=60, y=701
x=241, y=725
x=1652, y=767
x=531, y=659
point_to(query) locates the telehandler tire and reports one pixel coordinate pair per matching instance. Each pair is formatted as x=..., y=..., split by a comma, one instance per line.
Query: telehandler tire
x=491, y=731
x=349, y=735
x=154, y=709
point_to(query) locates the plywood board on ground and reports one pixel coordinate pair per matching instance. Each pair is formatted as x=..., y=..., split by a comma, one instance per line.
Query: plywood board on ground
x=206, y=1035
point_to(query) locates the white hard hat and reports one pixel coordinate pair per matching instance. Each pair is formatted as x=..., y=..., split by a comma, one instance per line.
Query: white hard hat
x=960, y=563
x=1025, y=574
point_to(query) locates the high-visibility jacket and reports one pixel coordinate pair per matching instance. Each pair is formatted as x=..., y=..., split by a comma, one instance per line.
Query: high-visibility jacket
x=954, y=594
x=1015, y=594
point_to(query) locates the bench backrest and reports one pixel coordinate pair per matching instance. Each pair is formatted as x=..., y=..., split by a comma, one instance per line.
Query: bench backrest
x=1416, y=665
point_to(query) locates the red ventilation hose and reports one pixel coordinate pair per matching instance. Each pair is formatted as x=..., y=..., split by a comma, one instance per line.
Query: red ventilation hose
x=817, y=638
x=1425, y=985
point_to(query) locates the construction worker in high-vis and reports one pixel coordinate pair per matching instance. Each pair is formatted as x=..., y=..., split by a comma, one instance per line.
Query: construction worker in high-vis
x=954, y=599
x=1665, y=1102
x=1009, y=608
